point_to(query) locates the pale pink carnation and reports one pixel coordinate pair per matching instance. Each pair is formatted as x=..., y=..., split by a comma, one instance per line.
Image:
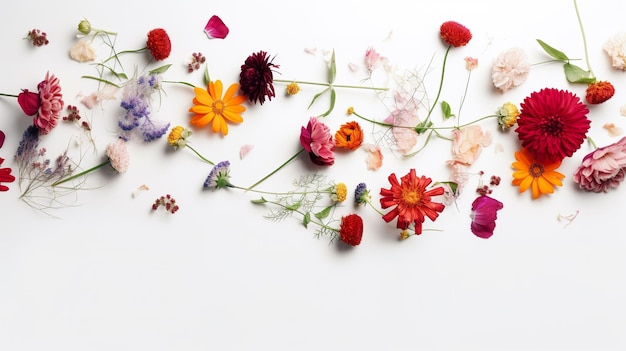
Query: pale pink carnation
x=510, y=69
x=405, y=115
x=616, y=49
x=117, y=152
x=603, y=169
x=82, y=51
x=51, y=104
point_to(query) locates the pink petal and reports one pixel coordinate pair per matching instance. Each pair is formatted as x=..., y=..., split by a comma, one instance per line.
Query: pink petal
x=244, y=150
x=215, y=28
x=374, y=156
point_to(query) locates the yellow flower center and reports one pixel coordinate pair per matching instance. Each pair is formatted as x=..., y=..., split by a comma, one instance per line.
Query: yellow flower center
x=218, y=107
x=410, y=197
x=536, y=170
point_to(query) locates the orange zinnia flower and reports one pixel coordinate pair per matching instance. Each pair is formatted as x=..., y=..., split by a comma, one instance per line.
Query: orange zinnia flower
x=349, y=136
x=540, y=177
x=209, y=106
x=412, y=200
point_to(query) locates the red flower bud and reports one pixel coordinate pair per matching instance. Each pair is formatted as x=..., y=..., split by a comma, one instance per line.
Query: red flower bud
x=599, y=92
x=29, y=102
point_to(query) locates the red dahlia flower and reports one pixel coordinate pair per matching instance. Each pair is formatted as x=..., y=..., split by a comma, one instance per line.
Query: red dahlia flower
x=411, y=200
x=552, y=124
x=484, y=215
x=455, y=34
x=351, y=230
x=318, y=142
x=256, y=78
x=599, y=92
x=159, y=44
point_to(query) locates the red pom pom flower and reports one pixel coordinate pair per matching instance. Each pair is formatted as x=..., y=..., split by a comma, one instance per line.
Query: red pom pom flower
x=552, y=124
x=159, y=44
x=351, y=229
x=455, y=34
x=599, y=92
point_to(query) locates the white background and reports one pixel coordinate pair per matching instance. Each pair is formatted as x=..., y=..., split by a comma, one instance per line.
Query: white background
x=107, y=273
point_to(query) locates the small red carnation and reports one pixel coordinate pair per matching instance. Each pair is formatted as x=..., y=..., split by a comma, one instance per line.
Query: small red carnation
x=599, y=92
x=159, y=44
x=455, y=34
x=351, y=230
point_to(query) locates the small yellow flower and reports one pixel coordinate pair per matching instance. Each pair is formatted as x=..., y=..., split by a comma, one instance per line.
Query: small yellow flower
x=293, y=88
x=339, y=192
x=507, y=115
x=350, y=110
x=177, y=137
x=404, y=235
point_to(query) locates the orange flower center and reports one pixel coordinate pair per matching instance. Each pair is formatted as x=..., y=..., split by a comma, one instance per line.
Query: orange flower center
x=218, y=107
x=536, y=170
x=410, y=197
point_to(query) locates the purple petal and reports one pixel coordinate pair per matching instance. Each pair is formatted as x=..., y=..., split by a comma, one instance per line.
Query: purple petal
x=1, y=138
x=484, y=215
x=215, y=28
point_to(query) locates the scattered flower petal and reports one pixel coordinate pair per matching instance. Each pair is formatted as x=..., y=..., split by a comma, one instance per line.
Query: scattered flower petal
x=613, y=130
x=374, y=158
x=215, y=28
x=244, y=150
x=484, y=215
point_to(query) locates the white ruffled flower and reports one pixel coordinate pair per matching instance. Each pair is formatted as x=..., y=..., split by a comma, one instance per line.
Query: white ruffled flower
x=616, y=49
x=510, y=69
x=82, y=51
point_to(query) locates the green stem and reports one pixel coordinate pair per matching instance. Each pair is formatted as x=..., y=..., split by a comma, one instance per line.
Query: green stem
x=304, y=214
x=458, y=117
x=9, y=95
x=123, y=52
x=59, y=182
x=582, y=31
x=101, y=80
x=202, y=157
x=280, y=193
x=277, y=169
x=593, y=144
x=443, y=71
x=373, y=121
x=179, y=82
x=329, y=84
x=100, y=31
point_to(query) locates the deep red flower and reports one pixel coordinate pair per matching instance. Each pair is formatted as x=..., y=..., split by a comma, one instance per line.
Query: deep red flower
x=599, y=92
x=256, y=79
x=29, y=102
x=351, y=229
x=552, y=124
x=318, y=142
x=5, y=176
x=484, y=215
x=159, y=44
x=455, y=34
x=411, y=200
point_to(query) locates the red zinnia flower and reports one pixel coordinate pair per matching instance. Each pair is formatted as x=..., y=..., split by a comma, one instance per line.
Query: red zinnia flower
x=351, y=230
x=256, y=78
x=455, y=34
x=552, y=124
x=159, y=44
x=412, y=200
x=599, y=92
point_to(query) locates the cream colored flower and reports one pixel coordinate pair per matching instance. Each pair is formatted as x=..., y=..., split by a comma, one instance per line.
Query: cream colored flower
x=616, y=49
x=510, y=69
x=82, y=51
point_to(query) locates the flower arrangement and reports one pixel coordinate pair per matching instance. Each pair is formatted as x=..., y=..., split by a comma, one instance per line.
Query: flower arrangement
x=549, y=127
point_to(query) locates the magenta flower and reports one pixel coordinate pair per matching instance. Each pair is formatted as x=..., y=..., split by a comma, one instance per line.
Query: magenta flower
x=50, y=103
x=318, y=142
x=484, y=215
x=215, y=28
x=29, y=102
x=603, y=169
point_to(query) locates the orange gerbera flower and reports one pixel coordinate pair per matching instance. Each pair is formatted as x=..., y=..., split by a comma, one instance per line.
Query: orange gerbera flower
x=540, y=177
x=412, y=200
x=209, y=106
x=349, y=136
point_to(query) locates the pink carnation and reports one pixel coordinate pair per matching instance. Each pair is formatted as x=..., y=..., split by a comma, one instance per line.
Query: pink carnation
x=510, y=69
x=602, y=169
x=318, y=142
x=50, y=104
x=118, y=155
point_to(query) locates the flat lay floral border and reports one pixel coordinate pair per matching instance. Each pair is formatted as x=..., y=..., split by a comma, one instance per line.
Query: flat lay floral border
x=550, y=125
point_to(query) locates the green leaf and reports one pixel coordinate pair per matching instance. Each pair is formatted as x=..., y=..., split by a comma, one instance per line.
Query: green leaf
x=332, y=72
x=559, y=55
x=446, y=110
x=575, y=74
x=293, y=207
x=207, y=78
x=101, y=80
x=161, y=69
x=323, y=213
x=332, y=103
x=307, y=219
x=259, y=201
x=317, y=96
x=423, y=127
x=453, y=186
